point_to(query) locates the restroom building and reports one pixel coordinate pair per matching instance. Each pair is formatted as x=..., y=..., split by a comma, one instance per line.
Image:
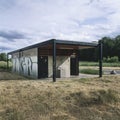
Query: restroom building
x=52, y=58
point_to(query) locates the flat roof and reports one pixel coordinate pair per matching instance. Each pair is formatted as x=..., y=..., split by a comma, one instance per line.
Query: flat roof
x=58, y=42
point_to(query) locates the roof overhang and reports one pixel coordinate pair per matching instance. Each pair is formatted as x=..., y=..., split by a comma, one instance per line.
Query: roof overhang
x=60, y=44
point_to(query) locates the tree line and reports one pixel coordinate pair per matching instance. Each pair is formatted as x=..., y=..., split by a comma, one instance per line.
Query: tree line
x=111, y=48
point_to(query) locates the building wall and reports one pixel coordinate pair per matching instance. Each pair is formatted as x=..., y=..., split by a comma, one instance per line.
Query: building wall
x=62, y=65
x=26, y=63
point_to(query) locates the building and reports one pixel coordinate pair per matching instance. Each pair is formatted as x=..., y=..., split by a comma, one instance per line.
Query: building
x=52, y=58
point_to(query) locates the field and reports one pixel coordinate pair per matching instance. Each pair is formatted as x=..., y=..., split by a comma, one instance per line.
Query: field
x=93, y=67
x=81, y=63
x=3, y=65
x=67, y=99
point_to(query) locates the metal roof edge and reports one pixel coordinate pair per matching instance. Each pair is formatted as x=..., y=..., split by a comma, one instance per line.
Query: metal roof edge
x=70, y=42
x=57, y=41
x=32, y=46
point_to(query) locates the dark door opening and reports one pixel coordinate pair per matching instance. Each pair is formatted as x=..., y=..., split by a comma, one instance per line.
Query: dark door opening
x=42, y=66
x=74, y=66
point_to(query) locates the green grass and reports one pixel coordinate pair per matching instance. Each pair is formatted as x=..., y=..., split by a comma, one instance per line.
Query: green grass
x=111, y=64
x=3, y=65
x=81, y=63
x=89, y=71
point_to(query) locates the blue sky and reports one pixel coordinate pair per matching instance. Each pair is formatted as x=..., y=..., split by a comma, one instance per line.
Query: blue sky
x=26, y=22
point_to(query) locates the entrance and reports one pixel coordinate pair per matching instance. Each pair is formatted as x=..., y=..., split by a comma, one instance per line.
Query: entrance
x=42, y=66
x=74, y=66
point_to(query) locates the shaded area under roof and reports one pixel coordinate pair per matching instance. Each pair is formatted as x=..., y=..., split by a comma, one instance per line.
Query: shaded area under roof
x=60, y=44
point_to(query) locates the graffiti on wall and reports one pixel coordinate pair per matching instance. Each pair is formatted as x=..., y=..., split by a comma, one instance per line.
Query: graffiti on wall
x=24, y=65
x=15, y=62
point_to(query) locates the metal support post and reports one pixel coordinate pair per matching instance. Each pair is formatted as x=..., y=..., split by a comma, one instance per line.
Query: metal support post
x=54, y=61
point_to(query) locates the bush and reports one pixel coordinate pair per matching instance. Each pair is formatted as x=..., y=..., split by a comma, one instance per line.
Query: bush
x=104, y=59
x=114, y=59
x=111, y=59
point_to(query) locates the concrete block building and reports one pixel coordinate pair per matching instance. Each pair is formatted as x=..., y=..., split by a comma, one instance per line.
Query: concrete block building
x=52, y=58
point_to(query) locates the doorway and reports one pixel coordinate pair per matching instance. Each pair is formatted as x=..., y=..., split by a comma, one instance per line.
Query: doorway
x=74, y=66
x=42, y=66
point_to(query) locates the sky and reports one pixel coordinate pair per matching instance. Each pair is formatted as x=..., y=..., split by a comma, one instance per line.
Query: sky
x=26, y=22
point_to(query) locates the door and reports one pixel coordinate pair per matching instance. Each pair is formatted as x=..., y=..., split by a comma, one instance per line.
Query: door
x=74, y=66
x=42, y=66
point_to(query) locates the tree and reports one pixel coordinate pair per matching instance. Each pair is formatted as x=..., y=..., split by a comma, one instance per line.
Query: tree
x=117, y=46
x=111, y=48
x=108, y=46
x=3, y=57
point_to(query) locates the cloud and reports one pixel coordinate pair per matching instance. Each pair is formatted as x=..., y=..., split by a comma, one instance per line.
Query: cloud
x=8, y=46
x=6, y=5
x=11, y=40
x=29, y=22
x=5, y=49
x=11, y=35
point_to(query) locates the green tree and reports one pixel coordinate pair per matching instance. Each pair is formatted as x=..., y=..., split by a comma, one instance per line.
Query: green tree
x=117, y=46
x=3, y=57
x=108, y=46
x=111, y=48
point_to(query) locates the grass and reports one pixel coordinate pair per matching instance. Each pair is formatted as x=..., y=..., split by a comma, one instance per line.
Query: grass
x=64, y=100
x=89, y=71
x=81, y=63
x=3, y=65
x=109, y=96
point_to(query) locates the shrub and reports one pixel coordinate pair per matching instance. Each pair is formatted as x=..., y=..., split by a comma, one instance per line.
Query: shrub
x=111, y=59
x=114, y=59
x=104, y=59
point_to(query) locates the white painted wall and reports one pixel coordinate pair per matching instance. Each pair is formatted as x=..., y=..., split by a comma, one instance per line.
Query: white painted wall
x=62, y=64
x=15, y=62
x=65, y=68
x=27, y=63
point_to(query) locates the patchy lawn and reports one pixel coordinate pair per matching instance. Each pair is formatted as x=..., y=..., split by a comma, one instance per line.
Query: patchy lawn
x=72, y=99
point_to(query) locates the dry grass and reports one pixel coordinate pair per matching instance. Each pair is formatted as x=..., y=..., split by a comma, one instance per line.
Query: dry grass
x=78, y=99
